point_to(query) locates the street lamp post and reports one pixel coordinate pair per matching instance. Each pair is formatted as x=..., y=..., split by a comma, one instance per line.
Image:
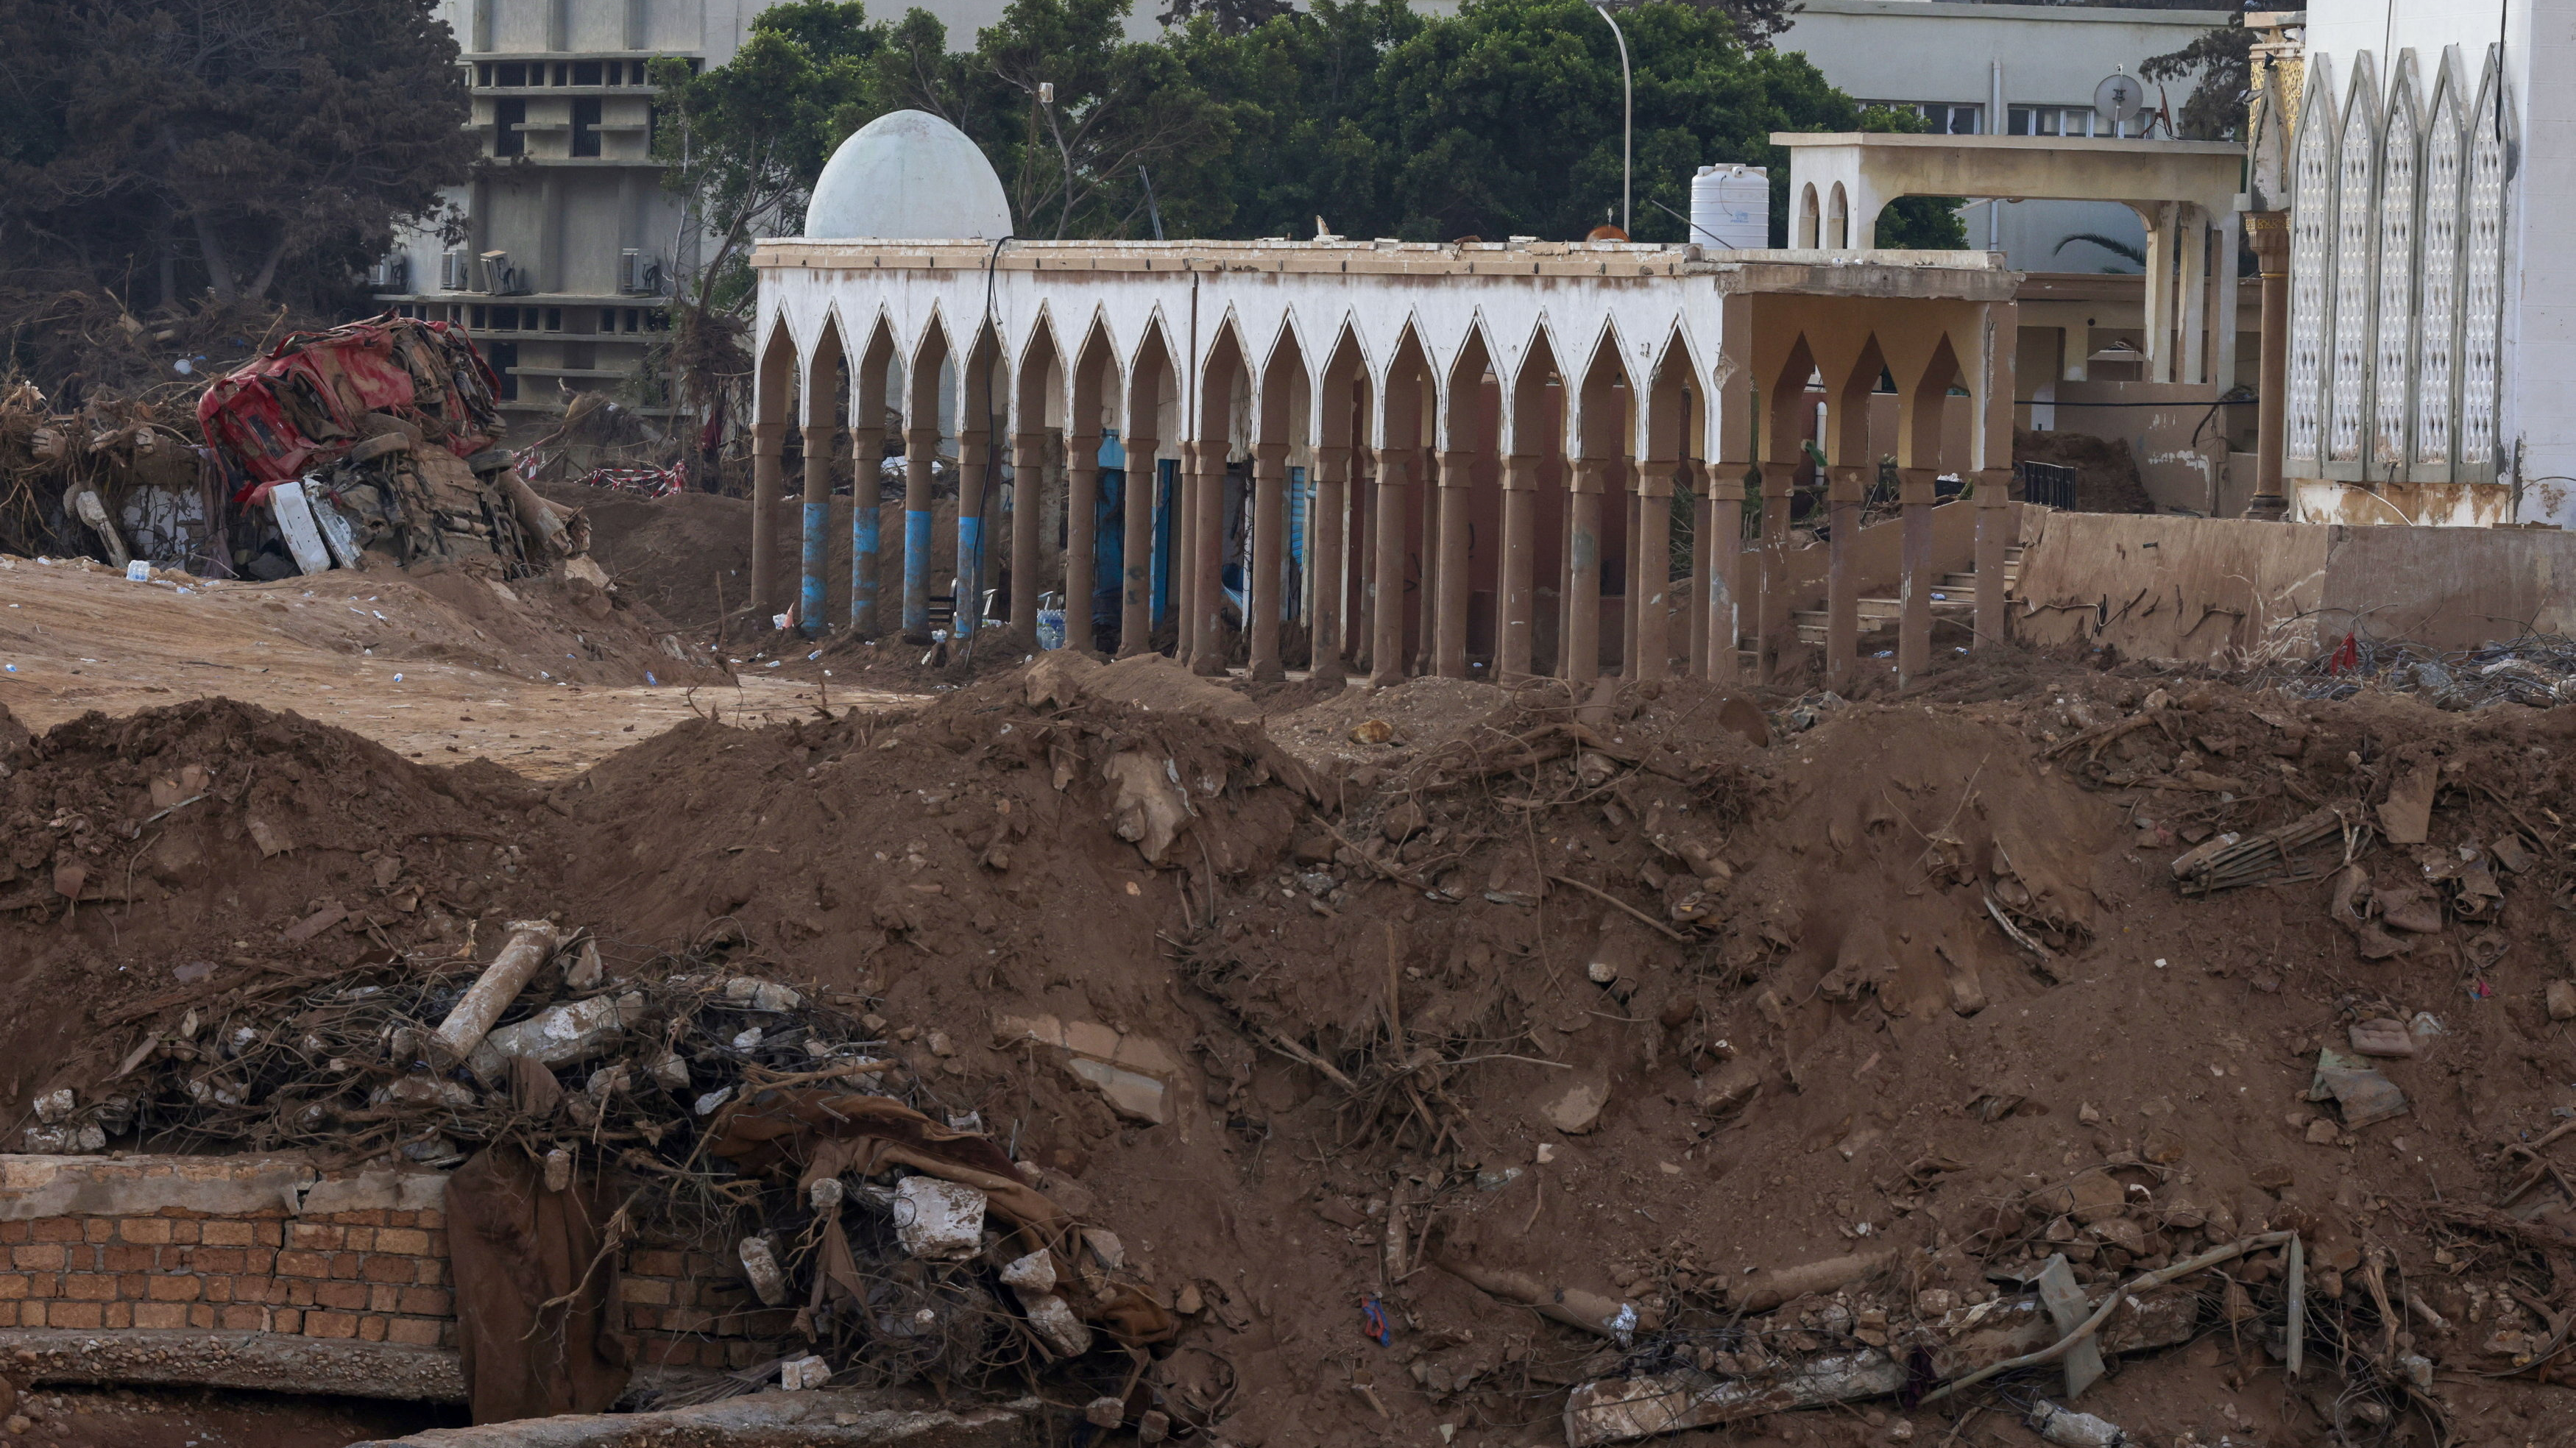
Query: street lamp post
x=1627, y=127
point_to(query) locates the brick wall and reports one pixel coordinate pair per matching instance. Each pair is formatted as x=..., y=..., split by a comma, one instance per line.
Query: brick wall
x=693, y=1310
x=269, y=1249
x=375, y=1275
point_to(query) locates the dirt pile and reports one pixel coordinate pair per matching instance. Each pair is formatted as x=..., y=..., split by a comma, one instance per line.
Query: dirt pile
x=671, y=552
x=1815, y=1065
x=2106, y=472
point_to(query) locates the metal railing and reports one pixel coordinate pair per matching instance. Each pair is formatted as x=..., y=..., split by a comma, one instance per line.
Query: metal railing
x=2049, y=484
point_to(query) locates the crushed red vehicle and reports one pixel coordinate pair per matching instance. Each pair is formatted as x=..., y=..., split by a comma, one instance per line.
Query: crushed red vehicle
x=300, y=406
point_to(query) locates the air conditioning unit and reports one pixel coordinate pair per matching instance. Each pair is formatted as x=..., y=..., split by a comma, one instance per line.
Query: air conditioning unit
x=638, y=274
x=502, y=279
x=393, y=274
x=455, y=272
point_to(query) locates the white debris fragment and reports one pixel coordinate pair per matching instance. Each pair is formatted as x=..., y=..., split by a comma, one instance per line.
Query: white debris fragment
x=939, y=1220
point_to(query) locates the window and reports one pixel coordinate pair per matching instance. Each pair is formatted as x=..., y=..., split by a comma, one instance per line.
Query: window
x=586, y=72
x=507, y=117
x=1941, y=117
x=2050, y=120
x=585, y=126
x=510, y=73
x=474, y=318
x=554, y=318
x=657, y=321
x=634, y=319
x=483, y=73
x=563, y=73
x=504, y=357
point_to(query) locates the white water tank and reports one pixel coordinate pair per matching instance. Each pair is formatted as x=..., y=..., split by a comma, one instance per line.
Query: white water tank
x=1731, y=208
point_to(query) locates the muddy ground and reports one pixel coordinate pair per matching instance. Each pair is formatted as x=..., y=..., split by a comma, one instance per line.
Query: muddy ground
x=1644, y=994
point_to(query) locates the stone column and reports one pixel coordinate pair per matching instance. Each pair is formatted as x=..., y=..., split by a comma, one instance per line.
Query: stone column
x=1914, y=585
x=1136, y=548
x=974, y=458
x=1771, y=615
x=1331, y=549
x=1423, y=466
x=813, y=603
x=1581, y=646
x=1696, y=613
x=1181, y=599
x=2269, y=231
x=1845, y=486
x=1650, y=572
x=1361, y=547
x=1724, y=545
x=1207, y=567
x=768, y=481
x=1386, y=577
x=1449, y=651
x=867, y=455
x=1269, y=559
x=1994, y=498
x=1629, y=587
x=1081, y=539
x=1028, y=495
x=1516, y=572
x=920, y=452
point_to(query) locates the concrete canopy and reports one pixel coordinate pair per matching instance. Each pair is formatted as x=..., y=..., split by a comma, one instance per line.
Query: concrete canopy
x=1872, y=170
x=909, y=174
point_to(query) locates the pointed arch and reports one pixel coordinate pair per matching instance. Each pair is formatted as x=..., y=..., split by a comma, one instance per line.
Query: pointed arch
x=2312, y=261
x=1838, y=235
x=1810, y=219
x=1458, y=427
x=1145, y=571
x=2357, y=159
x=2437, y=335
x=872, y=413
x=1848, y=443
x=2397, y=264
x=1038, y=385
x=773, y=380
x=2491, y=141
x=1920, y=407
x=1343, y=405
x=1783, y=398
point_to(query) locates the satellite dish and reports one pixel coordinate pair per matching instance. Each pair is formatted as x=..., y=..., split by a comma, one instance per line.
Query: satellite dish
x=2118, y=98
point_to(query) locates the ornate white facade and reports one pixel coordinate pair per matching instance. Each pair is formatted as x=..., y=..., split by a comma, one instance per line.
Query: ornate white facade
x=2431, y=275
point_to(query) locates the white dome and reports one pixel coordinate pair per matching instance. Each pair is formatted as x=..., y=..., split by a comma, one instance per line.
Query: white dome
x=910, y=175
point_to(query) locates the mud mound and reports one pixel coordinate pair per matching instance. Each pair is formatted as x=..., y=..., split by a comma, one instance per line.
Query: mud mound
x=1933, y=984
x=1779, y=1053
x=672, y=551
x=212, y=846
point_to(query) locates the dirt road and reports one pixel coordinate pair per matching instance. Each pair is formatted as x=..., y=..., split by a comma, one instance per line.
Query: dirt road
x=438, y=670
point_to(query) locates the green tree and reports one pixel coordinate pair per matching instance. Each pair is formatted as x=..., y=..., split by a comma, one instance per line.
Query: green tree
x=254, y=148
x=1301, y=91
x=2220, y=65
x=1115, y=105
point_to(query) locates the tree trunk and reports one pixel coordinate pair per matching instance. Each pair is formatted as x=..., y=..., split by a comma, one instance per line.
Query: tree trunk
x=268, y=269
x=219, y=267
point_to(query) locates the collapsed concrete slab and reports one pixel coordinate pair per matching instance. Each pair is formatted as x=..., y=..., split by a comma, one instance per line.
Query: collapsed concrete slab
x=824, y=1419
x=267, y=1362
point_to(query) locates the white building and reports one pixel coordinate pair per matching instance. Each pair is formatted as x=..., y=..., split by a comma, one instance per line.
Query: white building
x=2432, y=353
x=2021, y=70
